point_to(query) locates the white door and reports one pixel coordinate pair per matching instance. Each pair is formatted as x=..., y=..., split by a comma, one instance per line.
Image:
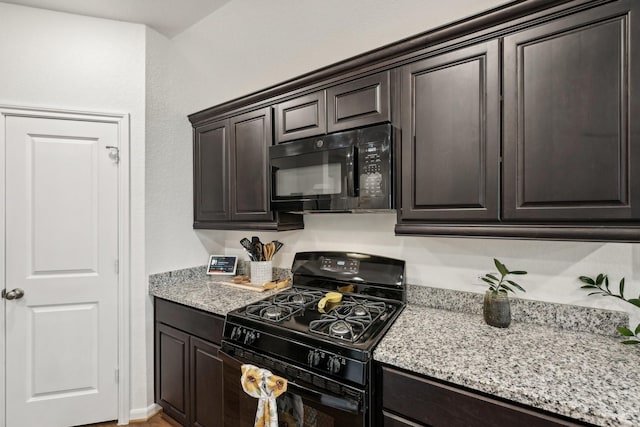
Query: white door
x=61, y=251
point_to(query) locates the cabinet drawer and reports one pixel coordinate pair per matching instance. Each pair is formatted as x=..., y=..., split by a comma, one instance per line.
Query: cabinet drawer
x=391, y=420
x=359, y=103
x=196, y=322
x=301, y=117
x=438, y=405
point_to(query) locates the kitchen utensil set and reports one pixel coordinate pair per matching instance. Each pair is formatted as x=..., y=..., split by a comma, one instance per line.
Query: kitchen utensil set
x=259, y=251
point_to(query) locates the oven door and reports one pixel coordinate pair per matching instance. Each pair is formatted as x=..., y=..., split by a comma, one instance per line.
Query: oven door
x=315, y=174
x=302, y=405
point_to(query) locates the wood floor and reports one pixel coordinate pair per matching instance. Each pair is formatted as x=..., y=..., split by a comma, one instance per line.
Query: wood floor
x=158, y=420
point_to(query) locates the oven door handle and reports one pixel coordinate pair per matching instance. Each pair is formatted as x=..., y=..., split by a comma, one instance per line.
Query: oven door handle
x=319, y=396
x=326, y=399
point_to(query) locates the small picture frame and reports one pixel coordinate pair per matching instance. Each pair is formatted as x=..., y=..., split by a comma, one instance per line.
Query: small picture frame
x=222, y=265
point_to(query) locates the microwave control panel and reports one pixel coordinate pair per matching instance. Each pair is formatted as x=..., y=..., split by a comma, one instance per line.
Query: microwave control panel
x=375, y=174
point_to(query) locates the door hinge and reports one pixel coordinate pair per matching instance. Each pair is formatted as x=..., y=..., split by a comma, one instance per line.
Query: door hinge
x=117, y=375
x=116, y=266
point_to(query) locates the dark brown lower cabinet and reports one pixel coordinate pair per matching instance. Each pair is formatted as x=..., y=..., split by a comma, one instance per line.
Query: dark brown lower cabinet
x=206, y=384
x=188, y=370
x=413, y=400
x=239, y=407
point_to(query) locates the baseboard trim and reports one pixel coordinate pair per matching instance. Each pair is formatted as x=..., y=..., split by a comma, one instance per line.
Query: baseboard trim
x=142, y=415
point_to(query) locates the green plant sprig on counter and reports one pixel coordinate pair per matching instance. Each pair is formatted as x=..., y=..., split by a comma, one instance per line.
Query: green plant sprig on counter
x=601, y=283
x=500, y=285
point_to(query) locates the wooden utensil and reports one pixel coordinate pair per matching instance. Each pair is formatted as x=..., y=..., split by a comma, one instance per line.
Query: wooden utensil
x=269, y=251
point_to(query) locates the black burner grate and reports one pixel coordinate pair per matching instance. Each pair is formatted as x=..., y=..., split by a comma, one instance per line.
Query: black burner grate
x=283, y=305
x=350, y=320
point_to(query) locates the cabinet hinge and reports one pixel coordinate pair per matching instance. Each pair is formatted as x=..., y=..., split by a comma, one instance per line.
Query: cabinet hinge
x=116, y=266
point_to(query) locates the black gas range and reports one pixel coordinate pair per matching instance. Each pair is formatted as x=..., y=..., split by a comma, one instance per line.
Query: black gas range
x=325, y=354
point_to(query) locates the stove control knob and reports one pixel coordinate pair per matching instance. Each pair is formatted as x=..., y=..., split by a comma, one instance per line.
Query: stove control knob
x=313, y=358
x=236, y=333
x=249, y=337
x=334, y=365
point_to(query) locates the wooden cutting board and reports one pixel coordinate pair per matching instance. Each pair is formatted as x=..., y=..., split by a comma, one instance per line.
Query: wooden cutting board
x=248, y=286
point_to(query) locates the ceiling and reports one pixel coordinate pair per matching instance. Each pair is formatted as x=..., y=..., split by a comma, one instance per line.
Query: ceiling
x=169, y=17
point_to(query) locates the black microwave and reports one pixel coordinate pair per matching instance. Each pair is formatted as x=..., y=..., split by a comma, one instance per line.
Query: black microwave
x=348, y=171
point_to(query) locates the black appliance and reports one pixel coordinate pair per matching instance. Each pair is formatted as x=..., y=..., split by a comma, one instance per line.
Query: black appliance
x=325, y=357
x=348, y=171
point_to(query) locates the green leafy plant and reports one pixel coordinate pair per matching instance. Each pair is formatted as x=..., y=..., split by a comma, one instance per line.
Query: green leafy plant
x=600, y=286
x=502, y=284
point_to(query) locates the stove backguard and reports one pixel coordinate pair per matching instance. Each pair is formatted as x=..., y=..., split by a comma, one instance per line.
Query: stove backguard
x=351, y=272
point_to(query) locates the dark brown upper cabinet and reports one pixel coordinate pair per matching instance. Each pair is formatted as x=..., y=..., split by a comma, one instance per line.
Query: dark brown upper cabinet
x=211, y=172
x=518, y=123
x=301, y=117
x=571, y=112
x=231, y=177
x=450, y=116
x=358, y=103
x=361, y=102
x=251, y=136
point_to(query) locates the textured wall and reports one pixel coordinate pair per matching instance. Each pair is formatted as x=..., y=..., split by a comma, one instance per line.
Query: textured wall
x=58, y=60
x=248, y=45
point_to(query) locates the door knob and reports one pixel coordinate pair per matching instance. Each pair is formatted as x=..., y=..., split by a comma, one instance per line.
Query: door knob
x=16, y=293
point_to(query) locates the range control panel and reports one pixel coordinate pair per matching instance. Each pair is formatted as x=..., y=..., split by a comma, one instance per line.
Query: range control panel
x=340, y=265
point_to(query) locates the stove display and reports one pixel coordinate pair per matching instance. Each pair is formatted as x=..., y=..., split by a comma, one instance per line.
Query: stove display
x=350, y=320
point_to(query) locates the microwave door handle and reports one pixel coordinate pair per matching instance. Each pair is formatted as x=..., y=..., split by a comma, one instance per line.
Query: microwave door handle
x=352, y=175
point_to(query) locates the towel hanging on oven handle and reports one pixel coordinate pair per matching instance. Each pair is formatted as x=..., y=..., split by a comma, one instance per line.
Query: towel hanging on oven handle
x=266, y=387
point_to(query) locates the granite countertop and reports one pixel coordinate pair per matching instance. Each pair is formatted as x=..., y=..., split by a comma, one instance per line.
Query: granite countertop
x=193, y=288
x=584, y=376
x=545, y=359
x=209, y=295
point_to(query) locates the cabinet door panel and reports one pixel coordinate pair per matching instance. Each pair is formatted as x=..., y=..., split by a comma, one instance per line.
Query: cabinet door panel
x=450, y=139
x=568, y=110
x=359, y=103
x=206, y=385
x=250, y=139
x=172, y=372
x=439, y=405
x=301, y=117
x=210, y=158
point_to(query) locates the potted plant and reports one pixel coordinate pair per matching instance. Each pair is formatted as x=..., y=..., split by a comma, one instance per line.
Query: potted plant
x=496, y=307
x=599, y=285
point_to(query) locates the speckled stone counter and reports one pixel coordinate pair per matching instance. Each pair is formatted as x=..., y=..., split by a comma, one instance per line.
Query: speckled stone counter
x=584, y=376
x=192, y=287
x=545, y=359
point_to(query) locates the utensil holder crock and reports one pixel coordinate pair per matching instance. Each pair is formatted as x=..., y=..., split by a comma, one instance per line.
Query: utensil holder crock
x=261, y=272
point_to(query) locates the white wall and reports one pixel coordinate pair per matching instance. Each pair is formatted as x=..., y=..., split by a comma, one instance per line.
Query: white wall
x=63, y=61
x=249, y=45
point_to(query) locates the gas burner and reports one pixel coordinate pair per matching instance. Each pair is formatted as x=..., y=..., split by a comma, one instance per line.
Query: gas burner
x=340, y=329
x=274, y=312
x=350, y=320
x=297, y=297
x=348, y=328
x=267, y=310
x=359, y=310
